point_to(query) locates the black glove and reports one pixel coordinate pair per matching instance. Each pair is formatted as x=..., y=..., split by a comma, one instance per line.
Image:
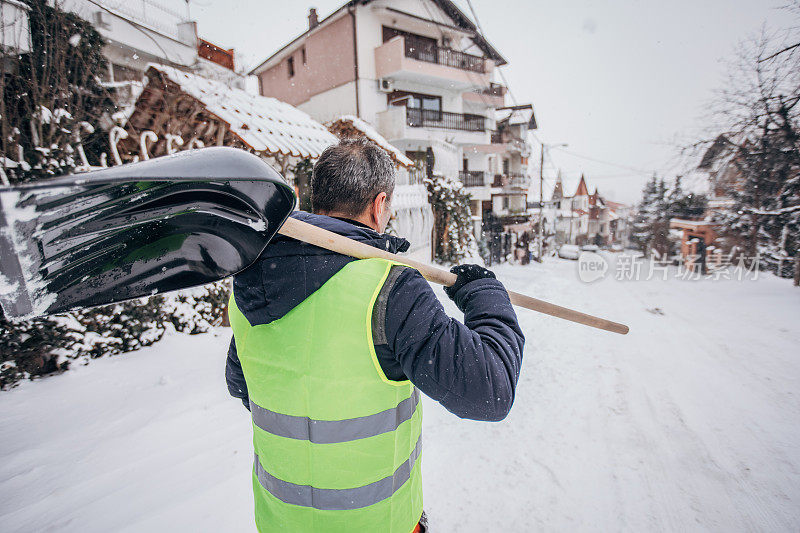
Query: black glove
x=467, y=273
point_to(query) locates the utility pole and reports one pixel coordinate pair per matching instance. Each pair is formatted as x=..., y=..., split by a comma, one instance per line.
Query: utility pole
x=541, y=195
x=541, y=204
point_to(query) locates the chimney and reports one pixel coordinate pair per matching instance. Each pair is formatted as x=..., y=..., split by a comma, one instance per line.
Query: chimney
x=313, y=22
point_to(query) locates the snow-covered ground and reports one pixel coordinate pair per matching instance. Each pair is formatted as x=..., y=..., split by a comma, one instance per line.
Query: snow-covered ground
x=691, y=422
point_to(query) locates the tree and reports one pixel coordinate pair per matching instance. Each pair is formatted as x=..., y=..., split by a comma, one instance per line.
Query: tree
x=759, y=109
x=51, y=104
x=452, y=219
x=646, y=216
x=681, y=204
x=52, y=100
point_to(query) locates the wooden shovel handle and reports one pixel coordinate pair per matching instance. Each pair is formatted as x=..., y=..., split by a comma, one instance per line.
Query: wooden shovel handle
x=302, y=231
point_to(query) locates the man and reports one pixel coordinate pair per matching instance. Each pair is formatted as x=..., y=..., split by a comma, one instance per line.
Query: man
x=329, y=353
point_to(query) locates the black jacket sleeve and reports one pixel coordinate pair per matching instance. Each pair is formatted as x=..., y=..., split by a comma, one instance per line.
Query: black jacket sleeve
x=235, y=377
x=470, y=368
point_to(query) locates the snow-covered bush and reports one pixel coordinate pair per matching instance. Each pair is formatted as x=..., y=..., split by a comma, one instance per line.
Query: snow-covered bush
x=30, y=347
x=199, y=309
x=452, y=220
x=41, y=346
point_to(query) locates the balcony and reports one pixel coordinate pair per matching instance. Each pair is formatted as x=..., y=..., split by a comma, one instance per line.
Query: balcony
x=518, y=181
x=421, y=50
x=472, y=178
x=426, y=118
x=405, y=58
x=400, y=124
x=492, y=96
x=512, y=180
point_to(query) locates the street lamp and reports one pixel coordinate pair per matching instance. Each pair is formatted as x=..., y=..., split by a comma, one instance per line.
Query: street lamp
x=545, y=146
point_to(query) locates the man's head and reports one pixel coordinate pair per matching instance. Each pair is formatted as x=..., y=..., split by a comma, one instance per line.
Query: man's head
x=354, y=179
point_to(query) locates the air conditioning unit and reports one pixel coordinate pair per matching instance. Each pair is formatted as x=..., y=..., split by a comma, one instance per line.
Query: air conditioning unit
x=385, y=85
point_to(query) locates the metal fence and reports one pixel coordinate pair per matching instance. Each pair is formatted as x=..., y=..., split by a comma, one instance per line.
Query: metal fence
x=416, y=175
x=428, y=118
x=424, y=50
x=472, y=178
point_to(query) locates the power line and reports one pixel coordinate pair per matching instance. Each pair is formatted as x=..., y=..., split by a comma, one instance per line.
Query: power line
x=480, y=29
x=470, y=75
x=586, y=157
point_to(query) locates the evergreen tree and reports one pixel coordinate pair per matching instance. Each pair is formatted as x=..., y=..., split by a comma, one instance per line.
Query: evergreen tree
x=646, y=214
x=681, y=204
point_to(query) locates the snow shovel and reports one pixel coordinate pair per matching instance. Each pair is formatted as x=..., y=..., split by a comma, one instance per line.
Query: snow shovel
x=136, y=230
x=160, y=225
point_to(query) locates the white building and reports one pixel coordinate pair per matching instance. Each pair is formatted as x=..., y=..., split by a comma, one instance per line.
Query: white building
x=421, y=74
x=142, y=32
x=15, y=30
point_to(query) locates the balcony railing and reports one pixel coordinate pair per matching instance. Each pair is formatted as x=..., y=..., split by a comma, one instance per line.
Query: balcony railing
x=494, y=89
x=518, y=180
x=423, y=50
x=471, y=178
x=427, y=118
x=416, y=174
x=515, y=180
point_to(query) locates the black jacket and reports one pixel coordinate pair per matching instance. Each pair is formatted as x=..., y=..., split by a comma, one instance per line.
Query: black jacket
x=470, y=368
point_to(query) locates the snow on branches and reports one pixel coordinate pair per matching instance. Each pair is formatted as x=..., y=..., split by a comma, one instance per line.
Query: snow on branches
x=452, y=224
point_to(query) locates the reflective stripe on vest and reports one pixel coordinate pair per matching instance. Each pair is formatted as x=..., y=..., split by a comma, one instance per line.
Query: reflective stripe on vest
x=338, y=499
x=333, y=431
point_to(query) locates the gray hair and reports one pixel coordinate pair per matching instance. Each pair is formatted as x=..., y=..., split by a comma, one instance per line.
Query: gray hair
x=349, y=175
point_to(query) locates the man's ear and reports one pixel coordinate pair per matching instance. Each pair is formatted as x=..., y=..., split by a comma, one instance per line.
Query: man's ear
x=379, y=205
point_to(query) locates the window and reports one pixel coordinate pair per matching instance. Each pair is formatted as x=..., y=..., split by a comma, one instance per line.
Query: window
x=426, y=43
x=290, y=65
x=429, y=105
x=123, y=73
x=505, y=203
x=303, y=54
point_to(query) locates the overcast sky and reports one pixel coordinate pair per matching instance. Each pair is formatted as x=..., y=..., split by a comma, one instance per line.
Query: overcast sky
x=621, y=81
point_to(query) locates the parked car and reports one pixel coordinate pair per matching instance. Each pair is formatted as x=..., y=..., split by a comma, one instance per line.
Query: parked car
x=617, y=248
x=590, y=247
x=569, y=251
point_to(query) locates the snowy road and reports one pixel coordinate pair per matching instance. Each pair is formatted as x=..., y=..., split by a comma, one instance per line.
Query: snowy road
x=691, y=422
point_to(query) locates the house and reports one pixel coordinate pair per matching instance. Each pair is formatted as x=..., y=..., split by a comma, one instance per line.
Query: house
x=585, y=217
x=421, y=74
x=720, y=168
x=501, y=185
x=140, y=33
x=720, y=171
x=178, y=110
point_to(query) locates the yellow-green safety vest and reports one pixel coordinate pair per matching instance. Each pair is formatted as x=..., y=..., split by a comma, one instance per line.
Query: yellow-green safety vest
x=337, y=444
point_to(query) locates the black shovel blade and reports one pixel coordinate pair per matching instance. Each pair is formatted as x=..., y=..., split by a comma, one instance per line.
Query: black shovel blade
x=136, y=230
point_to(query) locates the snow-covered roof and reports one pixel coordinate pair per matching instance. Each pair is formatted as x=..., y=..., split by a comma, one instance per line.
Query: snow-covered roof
x=682, y=223
x=264, y=124
x=516, y=115
x=350, y=122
